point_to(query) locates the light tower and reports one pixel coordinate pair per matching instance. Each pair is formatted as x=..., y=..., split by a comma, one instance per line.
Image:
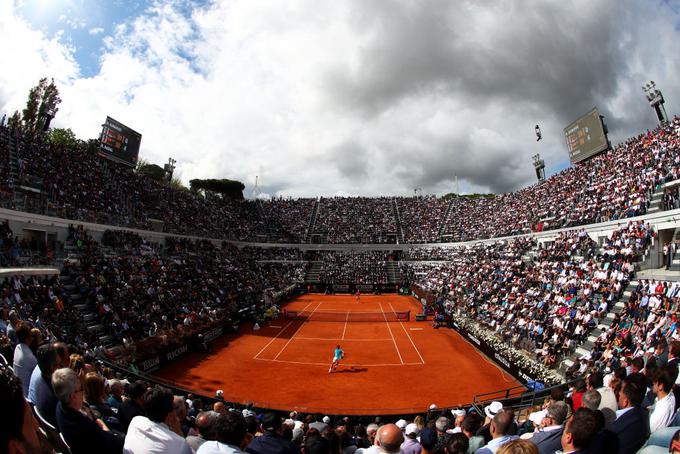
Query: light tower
x=539, y=165
x=169, y=169
x=655, y=98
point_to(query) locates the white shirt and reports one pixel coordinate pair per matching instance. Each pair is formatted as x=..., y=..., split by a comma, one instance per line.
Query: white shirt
x=663, y=413
x=215, y=447
x=24, y=363
x=608, y=399
x=147, y=437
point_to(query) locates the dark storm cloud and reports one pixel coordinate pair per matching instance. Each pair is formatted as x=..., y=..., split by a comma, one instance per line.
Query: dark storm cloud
x=544, y=62
x=351, y=159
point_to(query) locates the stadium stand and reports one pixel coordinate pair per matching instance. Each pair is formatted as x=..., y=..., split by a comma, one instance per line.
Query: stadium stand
x=571, y=300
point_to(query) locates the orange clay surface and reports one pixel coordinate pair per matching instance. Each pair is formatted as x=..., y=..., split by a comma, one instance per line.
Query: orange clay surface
x=389, y=367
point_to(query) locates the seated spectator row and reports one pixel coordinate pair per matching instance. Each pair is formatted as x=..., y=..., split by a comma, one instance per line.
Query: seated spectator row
x=545, y=305
x=352, y=267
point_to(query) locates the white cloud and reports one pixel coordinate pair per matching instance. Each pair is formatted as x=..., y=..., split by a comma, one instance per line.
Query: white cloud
x=31, y=56
x=96, y=31
x=320, y=98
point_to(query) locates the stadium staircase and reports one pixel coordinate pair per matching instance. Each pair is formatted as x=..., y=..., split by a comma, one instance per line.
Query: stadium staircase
x=88, y=311
x=656, y=201
x=29, y=195
x=312, y=222
x=312, y=276
x=393, y=273
x=442, y=227
x=400, y=231
x=587, y=346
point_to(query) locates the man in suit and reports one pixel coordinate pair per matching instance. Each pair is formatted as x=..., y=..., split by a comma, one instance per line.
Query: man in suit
x=632, y=421
x=548, y=439
x=579, y=431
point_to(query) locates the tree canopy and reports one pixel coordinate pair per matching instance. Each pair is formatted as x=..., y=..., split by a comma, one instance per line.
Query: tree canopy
x=41, y=107
x=63, y=137
x=228, y=189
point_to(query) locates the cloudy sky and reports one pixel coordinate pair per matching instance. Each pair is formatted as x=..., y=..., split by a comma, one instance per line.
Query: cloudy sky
x=349, y=97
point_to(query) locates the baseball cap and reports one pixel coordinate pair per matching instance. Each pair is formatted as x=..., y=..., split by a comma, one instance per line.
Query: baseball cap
x=457, y=413
x=411, y=429
x=326, y=420
x=401, y=424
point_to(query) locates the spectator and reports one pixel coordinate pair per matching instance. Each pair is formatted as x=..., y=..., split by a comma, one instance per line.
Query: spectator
x=632, y=422
x=411, y=444
x=230, y=431
x=518, y=447
x=81, y=430
x=457, y=444
x=663, y=411
x=548, y=439
x=389, y=439
x=470, y=426
x=159, y=431
x=579, y=431
x=50, y=358
x=271, y=441
x=206, y=425
x=500, y=426
x=24, y=359
x=133, y=405
x=18, y=428
x=115, y=399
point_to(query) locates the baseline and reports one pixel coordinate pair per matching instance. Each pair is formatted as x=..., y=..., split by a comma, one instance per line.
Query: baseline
x=341, y=364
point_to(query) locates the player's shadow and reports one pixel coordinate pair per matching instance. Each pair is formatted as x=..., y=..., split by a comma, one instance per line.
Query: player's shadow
x=351, y=370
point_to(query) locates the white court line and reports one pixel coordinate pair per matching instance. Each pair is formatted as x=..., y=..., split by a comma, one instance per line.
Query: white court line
x=409, y=337
x=392, y=335
x=415, y=329
x=345, y=328
x=342, y=364
x=281, y=332
x=339, y=339
x=278, y=327
x=293, y=336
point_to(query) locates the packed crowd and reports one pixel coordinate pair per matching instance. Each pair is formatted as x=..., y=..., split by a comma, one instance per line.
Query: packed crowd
x=352, y=267
x=613, y=185
x=75, y=401
x=545, y=305
x=421, y=218
x=356, y=219
x=274, y=253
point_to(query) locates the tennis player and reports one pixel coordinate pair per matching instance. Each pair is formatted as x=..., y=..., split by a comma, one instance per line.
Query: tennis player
x=337, y=356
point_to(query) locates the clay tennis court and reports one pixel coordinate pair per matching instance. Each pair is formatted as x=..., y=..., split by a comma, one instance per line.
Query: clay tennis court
x=390, y=366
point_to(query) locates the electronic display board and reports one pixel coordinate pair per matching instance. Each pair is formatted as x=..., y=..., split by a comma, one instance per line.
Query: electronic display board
x=119, y=143
x=586, y=137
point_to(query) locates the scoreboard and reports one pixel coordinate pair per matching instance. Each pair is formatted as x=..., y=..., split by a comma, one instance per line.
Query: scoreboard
x=586, y=137
x=119, y=143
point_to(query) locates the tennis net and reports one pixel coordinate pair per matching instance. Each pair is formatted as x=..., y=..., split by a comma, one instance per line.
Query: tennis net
x=330, y=316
